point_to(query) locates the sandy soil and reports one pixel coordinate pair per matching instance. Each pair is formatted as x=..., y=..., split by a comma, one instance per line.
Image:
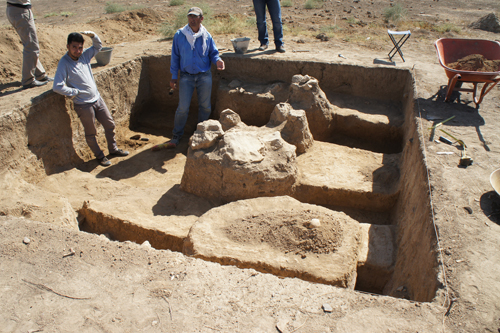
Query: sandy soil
x=475, y=62
x=55, y=279
x=288, y=234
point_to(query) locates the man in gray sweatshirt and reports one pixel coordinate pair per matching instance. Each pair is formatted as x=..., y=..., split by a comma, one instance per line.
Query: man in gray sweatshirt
x=74, y=79
x=21, y=17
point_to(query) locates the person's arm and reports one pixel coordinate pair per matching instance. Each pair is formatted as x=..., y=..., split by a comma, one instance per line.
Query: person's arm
x=59, y=85
x=175, y=58
x=175, y=61
x=96, y=44
x=213, y=54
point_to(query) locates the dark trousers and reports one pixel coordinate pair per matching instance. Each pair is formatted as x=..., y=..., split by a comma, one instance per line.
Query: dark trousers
x=88, y=113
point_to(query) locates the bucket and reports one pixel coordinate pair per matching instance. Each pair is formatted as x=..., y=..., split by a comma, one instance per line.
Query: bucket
x=240, y=44
x=104, y=56
x=495, y=180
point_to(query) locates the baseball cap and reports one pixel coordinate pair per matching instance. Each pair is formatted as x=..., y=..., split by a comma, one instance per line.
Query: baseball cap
x=195, y=11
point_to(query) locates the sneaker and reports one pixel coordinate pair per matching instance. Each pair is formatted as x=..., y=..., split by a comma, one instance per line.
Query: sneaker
x=281, y=49
x=104, y=161
x=119, y=152
x=167, y=145
x=46, y=78
x=263, y=47
x=35, y=83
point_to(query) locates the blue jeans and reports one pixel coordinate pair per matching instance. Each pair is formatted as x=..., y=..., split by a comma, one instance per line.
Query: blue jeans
x=187, y=82
x=275, y=13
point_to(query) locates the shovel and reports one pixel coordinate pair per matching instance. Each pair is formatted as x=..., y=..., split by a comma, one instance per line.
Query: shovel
x=465, y=160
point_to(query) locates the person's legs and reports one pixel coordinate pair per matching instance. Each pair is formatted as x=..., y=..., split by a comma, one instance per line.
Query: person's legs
x=204, y=92
x=275, y=13
x=87, y=117
x=260, y=15
x=22, y=20
x=40, y=73
x=186, y=89
x=104, y=117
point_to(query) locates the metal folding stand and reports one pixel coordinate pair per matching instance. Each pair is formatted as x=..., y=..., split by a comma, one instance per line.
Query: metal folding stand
x=398, y=44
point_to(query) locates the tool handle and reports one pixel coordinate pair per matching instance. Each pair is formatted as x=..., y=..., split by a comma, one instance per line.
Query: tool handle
x=445, y=140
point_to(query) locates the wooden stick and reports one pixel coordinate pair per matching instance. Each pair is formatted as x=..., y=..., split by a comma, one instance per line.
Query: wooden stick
x=299, y=326
x=43, y=287
x=169, y=307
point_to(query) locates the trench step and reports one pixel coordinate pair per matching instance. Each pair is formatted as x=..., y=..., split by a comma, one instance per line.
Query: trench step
x=376, y=257
x=335, y=175
x=161, y=233
x=354, y=130
x=367, y=123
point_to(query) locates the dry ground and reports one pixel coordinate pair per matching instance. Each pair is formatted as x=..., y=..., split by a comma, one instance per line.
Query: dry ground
x=111, y=286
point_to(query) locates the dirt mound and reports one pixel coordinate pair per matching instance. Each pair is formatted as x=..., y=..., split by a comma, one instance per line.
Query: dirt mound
x=475, y=63
x=136, y=20
x=130, y=25
x=289, y=232
x=489, y=22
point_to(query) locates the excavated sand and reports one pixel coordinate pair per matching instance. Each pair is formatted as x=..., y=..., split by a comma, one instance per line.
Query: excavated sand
x=217, y=236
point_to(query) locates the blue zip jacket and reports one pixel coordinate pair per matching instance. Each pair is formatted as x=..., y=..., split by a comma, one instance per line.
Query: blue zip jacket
x=192, y=61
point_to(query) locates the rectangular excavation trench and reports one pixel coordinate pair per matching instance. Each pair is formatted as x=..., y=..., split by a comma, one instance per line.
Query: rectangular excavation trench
x=137, y=94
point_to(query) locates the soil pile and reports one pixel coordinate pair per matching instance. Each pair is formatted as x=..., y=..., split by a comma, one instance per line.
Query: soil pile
x=475, y=63
x=290, y=232
x=130, y=26
x=489, y=22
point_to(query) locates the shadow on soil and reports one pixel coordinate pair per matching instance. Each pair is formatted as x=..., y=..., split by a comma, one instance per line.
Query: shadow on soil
x=173, y=202
x=132, y=166
x=490, y=204
x=5, y=89
x=436, y=110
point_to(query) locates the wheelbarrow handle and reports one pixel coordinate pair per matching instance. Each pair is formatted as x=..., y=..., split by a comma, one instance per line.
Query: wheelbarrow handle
x=484, y=91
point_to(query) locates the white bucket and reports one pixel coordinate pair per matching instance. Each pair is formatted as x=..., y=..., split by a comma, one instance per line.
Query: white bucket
x=104, y=56
x=495, y=180
x=240, y=44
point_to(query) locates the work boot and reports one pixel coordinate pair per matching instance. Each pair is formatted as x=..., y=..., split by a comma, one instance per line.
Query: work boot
x=35, y=83
x=104, y=161
x=119, y=152
x=263, y=47
x=46, y=78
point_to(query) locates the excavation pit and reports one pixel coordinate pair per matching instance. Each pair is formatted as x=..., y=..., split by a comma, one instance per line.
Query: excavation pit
x=369, y=165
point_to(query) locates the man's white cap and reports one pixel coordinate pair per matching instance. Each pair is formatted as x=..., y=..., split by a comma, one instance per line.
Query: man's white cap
x=195, y=11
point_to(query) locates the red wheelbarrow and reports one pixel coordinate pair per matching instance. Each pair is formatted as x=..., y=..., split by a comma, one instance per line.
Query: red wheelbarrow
x=452, y=49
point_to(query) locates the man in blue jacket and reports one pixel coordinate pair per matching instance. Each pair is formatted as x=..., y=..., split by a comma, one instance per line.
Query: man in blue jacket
x=74, y=79
x=193, y=52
